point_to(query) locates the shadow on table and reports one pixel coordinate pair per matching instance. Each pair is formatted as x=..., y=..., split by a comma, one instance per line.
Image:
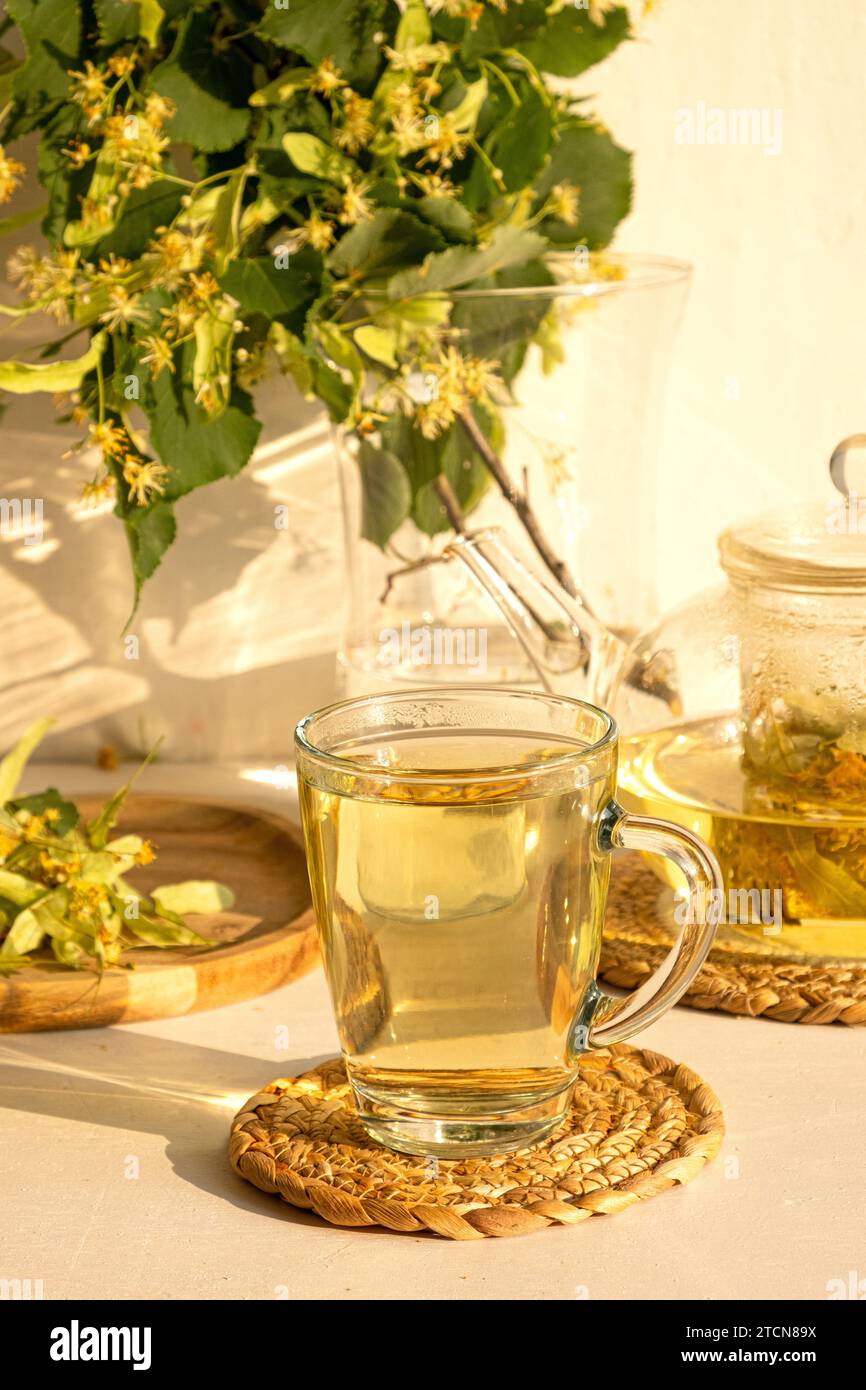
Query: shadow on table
x=190, y=1095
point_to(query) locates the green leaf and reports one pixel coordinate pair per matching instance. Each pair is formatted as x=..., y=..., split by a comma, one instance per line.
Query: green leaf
x=25, y=934
x=449, y=215
x=589, y=158
x=346, y=33
x=49, y=800
x=144, y=210
x=164, y=933
x=500, y=328
x=194, y=895
x=196, y=448
x=152, y=15
x=521, y=144
x=414, y=27
x=261, y=287
x=23, y=378
x=460, y=265
x=118, y=20
x=378, y=343
x=385, y=493
x=210, y=92
x=570, y=43
x=338, y=346
x=465, y=114
x=312, y=156
x=149, y=533
x=390, y=239
x=18, y=889
x=451, y=454
x=52, y=32
x=15, y=761
x=289, y=81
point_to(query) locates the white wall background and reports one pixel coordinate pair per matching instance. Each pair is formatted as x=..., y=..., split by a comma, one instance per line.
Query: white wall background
x=239, y=628
x=770, y=368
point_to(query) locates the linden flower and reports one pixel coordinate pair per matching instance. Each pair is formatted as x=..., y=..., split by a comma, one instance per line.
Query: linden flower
x=158, y=355
x=124, y=309
x=357, y=129
x=436, y=186
x=121, y=64
x=318, y=232
x=443, y=143
x=144, y=479
x=179, y=319
x=147, y=853
x=89, y=90
x=356, y=206
x=327, y=78
x=98, y=490
x=563, y=202
x=159, y=109
x=10, y=175
x=78, y=154
x=599, y=8
x=110, y=438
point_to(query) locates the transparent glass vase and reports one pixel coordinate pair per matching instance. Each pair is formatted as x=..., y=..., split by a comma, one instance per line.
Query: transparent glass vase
x=580, y=442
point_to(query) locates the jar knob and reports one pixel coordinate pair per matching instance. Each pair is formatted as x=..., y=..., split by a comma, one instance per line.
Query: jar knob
x=839, y=463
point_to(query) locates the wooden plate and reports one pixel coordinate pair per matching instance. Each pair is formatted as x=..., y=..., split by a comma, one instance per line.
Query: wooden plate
x=270, y=935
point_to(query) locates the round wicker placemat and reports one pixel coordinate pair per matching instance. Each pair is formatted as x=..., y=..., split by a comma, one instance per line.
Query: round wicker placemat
x=639, y=1124
x=738, y=977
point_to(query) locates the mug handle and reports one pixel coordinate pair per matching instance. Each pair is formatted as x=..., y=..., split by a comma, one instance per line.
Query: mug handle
x=605, y=1020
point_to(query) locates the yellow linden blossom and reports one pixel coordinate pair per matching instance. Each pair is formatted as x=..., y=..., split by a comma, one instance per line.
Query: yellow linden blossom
x=147, y=853
x=327, y=78
x=318, y=232
x=78, y=153
x=89, y=90
x=143, y=479
x=10, y=175
x=178, y=251
x=563, y=202
x=356, y=206
x=7, y=844
x=357, y=129
x=110, y=438
x=124, y=309
x=437, y=186
x=98, y=490
x=179, y=319
x=443, y=143
x=459, y=380
x=599, y=8
x=159, y=109
x=159, y=354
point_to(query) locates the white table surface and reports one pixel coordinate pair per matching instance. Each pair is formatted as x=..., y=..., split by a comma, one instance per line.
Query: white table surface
x=116, y=1182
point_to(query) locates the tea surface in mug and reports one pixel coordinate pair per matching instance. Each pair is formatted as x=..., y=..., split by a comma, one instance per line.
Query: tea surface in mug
x=460, y=918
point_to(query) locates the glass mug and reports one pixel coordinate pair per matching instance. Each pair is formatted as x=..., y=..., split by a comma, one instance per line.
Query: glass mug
x=459, y=844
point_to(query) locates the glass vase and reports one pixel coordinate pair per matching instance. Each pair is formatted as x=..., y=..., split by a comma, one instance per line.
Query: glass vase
x=579, y=442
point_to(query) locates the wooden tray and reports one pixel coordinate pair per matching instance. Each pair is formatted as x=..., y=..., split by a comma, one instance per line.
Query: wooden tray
x=270, y=935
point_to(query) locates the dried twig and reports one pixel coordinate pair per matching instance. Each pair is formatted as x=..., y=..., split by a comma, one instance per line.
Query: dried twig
x=521, y=504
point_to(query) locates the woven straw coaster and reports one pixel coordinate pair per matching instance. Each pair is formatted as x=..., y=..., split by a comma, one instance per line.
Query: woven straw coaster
x=639, y=1124
x=738, y=977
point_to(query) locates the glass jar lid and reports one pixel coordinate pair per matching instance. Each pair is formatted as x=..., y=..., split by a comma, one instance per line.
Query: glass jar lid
x=810, y=546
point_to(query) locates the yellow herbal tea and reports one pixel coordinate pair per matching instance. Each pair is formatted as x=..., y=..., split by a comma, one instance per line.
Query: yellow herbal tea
x=791, y=832
x=459, y=919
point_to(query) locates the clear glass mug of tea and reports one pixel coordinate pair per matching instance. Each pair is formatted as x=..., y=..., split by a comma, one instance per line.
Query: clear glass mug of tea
x=459, y=844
